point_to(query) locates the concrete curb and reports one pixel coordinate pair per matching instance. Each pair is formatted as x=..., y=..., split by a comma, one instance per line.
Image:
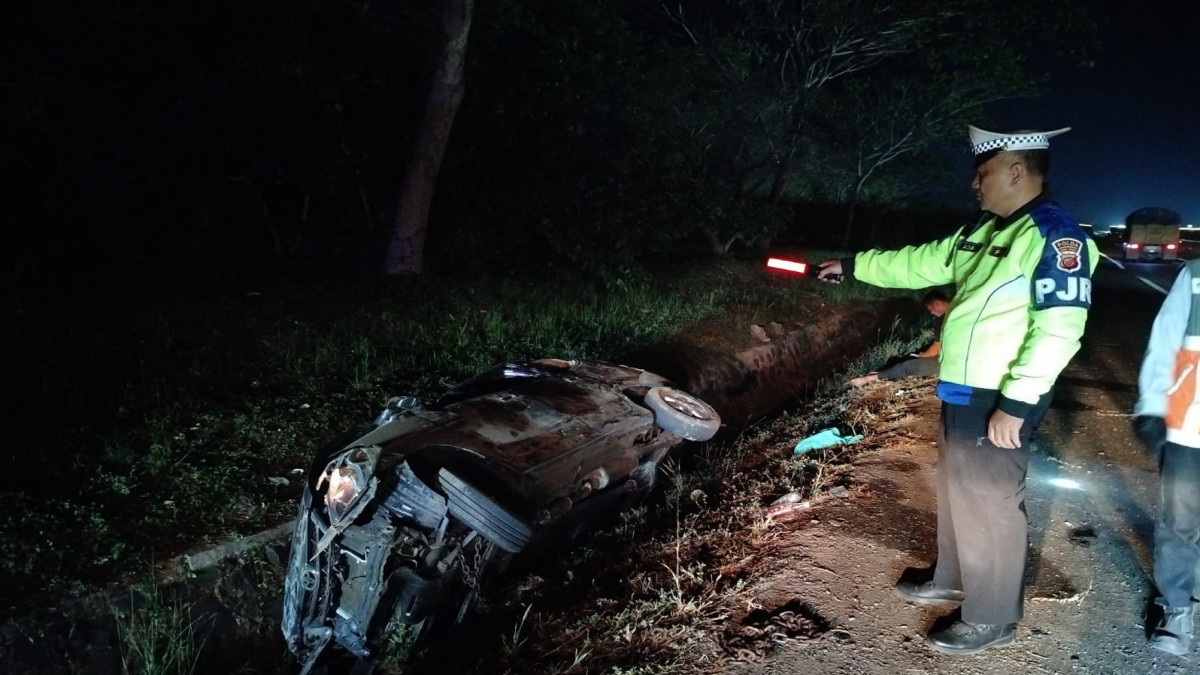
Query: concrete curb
x=204, y=560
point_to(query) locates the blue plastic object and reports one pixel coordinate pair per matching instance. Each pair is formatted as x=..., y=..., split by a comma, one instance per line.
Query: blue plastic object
x=825, y=438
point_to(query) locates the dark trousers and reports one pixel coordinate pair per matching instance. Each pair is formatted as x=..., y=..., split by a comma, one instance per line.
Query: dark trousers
x=983, y=532
x=918, y=366
x=1177, y=529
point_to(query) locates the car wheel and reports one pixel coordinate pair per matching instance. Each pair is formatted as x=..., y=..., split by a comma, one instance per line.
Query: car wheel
x=483, y=514
x=682, y=414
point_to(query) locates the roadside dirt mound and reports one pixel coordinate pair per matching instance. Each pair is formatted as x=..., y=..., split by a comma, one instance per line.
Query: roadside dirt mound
x=748, y=371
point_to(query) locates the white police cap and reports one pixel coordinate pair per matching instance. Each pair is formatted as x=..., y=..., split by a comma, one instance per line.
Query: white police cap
x=987, y=141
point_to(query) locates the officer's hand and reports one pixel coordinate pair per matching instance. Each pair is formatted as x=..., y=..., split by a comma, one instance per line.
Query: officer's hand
x=830, y=271
x=1004, y=430
x=1151, y=430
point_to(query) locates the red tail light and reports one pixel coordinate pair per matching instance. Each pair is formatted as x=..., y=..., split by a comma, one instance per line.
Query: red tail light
x=1170, y=247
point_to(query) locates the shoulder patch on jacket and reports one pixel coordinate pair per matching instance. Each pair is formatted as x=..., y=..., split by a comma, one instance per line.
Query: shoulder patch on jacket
x=1063, y=275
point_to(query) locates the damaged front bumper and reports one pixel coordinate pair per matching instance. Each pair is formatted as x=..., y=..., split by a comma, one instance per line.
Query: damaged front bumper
x=345, y=550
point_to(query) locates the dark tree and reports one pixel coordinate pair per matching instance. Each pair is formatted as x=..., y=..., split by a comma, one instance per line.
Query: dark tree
x=406, y=252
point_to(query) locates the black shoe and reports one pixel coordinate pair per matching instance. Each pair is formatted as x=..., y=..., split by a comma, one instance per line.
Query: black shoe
x=926, y=593
x=963, y=638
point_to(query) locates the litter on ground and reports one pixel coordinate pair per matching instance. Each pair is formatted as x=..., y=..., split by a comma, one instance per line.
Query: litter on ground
x=825, y=438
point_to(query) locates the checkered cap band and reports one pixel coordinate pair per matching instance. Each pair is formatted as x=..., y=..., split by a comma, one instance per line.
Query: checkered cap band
x=1016, y=142
x=985, y=142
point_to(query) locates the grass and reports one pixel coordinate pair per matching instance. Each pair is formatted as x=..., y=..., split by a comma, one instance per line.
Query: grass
x=169, y=424
x=512, y=643
x=157, y=634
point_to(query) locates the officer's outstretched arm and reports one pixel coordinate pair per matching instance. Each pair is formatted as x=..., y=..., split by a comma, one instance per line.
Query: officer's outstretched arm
x=910, y=267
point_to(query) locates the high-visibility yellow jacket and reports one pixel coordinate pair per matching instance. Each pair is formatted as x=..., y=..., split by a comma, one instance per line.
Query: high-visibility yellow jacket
x=1023, y=290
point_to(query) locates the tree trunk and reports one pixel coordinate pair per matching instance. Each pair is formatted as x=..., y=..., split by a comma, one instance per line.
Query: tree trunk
x=718, y=247
x=780, y=181
x=855, y=193
x=406, y=250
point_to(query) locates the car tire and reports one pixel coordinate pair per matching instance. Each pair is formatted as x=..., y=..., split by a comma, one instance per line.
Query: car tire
x=483, y=514
x=682, y=414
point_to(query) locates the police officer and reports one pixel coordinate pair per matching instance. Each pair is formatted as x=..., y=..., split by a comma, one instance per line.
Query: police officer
x=1023, y=273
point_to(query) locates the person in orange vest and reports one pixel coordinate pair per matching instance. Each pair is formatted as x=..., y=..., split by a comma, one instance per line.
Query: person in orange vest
x=1167, y=421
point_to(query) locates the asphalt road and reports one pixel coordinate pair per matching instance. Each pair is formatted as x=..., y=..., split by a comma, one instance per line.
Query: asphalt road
x=1157, y=276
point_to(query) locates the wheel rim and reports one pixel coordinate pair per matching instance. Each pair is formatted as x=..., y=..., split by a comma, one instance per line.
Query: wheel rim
x=687, y=404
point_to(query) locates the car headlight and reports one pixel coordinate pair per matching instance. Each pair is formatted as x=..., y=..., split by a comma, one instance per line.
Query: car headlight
x=348, y=477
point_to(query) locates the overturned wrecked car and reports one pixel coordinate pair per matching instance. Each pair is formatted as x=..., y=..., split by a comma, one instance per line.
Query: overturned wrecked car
x=402, y=519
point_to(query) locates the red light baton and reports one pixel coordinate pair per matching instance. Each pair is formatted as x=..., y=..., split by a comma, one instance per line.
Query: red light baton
x=788, y=265
x=798, y=267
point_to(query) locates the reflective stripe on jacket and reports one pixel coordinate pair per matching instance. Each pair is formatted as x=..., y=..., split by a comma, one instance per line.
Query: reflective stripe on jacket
x=1023, y=290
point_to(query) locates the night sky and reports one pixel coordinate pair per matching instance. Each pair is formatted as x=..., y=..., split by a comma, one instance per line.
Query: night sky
x=274, y=141
x=1135, y=116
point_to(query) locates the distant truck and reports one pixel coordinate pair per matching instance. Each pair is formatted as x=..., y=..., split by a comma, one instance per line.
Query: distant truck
x=1152, y=234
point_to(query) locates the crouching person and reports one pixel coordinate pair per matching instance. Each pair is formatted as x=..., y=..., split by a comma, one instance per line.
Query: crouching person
x=1167, y=421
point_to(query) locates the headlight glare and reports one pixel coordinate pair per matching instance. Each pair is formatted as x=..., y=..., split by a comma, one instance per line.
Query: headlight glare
x=344, y=488
x=347, y=478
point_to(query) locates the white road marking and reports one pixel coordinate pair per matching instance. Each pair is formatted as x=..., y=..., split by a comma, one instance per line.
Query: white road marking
x=1153, y=285
x=1144, y=280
